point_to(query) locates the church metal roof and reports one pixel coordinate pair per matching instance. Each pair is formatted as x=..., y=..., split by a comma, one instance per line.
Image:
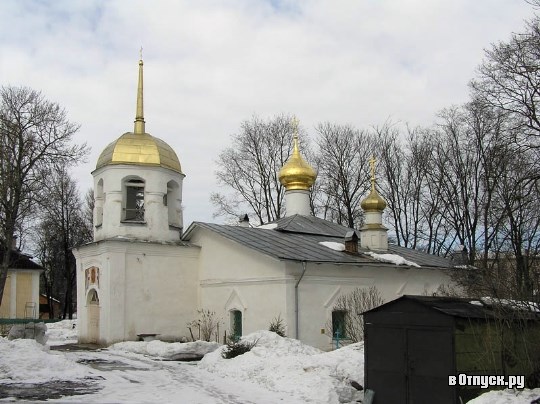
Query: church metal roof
x=297, y=238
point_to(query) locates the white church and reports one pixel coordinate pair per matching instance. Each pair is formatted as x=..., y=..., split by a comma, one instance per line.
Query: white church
x=145, y=274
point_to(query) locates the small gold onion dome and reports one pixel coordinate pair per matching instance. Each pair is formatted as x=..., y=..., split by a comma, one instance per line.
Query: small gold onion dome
x=139, y=149
x=296, y=173
x=373, y=202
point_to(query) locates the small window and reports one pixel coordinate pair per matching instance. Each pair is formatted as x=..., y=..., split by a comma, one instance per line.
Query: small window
x=339, y=318
x=236, y=324
x=134, y=207
x=99, y=200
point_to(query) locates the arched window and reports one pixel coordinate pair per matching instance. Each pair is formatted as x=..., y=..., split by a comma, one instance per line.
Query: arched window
x=236, y=323
x=133, y=200
x=99, y=203
x=93, y=297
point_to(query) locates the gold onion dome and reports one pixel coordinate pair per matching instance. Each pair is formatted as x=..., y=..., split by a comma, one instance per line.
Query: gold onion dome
x=296, y=173
x=373, y=202
x=139, y=147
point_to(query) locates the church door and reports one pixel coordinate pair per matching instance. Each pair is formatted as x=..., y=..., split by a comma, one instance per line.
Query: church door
x=93, y=317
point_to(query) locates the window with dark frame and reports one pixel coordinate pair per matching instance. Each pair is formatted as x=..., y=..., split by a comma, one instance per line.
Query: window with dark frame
x=236, y=324
x=339, y=317
x=134, y=208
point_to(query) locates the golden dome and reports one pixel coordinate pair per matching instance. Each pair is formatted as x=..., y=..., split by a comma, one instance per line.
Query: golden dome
x=139, y=147
x=296, y=173
x=373, y=202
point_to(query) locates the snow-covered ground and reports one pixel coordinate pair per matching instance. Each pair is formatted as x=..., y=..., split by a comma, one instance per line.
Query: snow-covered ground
x=276, y=370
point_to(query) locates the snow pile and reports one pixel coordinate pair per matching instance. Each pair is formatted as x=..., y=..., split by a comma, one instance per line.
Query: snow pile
x=392, y=258
x=288, y=366
x=25, y=360
x=166, y=350
x=509, y=396
x=62, y=332
x=333, y=245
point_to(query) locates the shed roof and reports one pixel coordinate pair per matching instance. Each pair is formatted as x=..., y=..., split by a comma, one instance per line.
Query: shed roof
x=298, y=238
x=460, y=307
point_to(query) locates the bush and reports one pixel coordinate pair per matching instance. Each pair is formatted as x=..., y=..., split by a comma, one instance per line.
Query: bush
x=207, y=324
x=236, y=347
x=353, y=304
x=277, y=326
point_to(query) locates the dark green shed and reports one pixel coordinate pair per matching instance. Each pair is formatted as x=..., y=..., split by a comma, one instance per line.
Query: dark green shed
x=414, y=343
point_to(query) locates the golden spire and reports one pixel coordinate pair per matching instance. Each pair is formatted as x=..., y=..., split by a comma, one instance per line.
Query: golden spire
x=296, y=173
x=139, y=115
x=373, y=202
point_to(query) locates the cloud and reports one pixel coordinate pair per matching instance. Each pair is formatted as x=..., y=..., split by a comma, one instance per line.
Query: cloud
x=211, y=64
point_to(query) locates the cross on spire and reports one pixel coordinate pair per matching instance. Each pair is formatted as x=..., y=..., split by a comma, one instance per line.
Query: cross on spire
x=372, y=162
x=295, y=122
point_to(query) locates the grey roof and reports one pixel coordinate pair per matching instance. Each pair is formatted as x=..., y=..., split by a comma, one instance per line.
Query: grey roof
x=311, y=225
x=18, y=260
x=297, y=238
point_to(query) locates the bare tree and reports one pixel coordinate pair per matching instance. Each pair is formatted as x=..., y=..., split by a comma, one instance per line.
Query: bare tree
x=250, y=169
x=63, y=225
x=343, y=152
x=404, y=178
x=34, y=133
x=353, y=304
x=509, y=79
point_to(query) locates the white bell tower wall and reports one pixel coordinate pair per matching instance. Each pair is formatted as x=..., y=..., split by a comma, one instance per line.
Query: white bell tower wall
x=139, y=202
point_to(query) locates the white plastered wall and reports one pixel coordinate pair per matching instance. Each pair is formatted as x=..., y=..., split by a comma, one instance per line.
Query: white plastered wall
x=234, y=277
x=322, y=284
x=110, y=203
x=144, y=288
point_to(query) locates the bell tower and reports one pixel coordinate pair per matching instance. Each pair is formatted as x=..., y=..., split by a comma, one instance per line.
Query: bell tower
x=138, y=185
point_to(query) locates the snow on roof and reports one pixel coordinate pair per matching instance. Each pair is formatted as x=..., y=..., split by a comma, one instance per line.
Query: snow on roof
x=392, y=258
x=511, y=304
x=333, y=245
x=269, y=226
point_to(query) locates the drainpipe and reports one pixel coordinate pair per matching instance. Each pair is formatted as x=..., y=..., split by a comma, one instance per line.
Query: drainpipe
x=296, y=298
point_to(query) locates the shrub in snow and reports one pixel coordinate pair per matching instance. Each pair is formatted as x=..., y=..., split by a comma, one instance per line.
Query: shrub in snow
x=236, y=347
x=277, y=326
x=207, y=324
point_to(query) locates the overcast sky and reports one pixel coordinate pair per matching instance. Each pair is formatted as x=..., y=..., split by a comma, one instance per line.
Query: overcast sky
x=209, y=65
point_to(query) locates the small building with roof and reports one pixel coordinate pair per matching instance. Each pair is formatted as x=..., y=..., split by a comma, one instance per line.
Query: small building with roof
x=145, y=274
x=21, y=292
x=415, y=343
